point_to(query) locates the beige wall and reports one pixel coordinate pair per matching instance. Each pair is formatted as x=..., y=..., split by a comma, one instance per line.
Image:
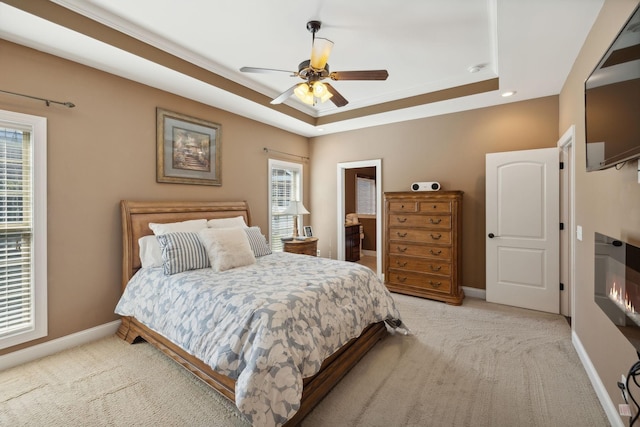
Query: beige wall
x=104, y=150
x=449, y=149
x=606, y=201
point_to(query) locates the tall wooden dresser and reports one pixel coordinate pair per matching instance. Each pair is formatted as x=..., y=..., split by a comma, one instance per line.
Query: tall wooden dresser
x=423, y=244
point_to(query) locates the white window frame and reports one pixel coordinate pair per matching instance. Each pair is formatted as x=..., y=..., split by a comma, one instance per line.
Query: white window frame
x=37, y=126
x=298, y=168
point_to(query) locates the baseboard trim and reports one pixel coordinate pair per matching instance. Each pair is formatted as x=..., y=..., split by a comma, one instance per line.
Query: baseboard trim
x=369, y=252
x=596, y=383
x=475, y=292
x=59, y=344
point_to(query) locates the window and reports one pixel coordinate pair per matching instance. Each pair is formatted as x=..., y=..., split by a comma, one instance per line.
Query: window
x=23, y=274
x=365, y=195
x=285, y=185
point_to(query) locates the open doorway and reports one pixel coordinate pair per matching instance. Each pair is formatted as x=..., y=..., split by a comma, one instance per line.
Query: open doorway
x=374, y=226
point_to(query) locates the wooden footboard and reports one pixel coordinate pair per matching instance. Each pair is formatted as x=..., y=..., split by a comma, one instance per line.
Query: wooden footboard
x=315, y=388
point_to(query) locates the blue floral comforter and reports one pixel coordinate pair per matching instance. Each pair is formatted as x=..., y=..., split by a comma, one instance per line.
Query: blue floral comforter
x=268, y=325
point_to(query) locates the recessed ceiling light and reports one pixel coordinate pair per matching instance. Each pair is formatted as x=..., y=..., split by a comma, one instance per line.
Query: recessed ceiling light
x=508, y=93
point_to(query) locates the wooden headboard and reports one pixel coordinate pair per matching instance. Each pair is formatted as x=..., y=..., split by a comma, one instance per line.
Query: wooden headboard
x=136, y=217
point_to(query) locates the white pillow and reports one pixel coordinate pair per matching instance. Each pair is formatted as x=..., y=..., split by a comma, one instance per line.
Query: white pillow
x=227, y=248
x=237, y=221
x=150, y=253
x=189, y=226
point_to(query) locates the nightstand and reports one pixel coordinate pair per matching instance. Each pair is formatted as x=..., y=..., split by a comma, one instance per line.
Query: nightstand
x=309, y=246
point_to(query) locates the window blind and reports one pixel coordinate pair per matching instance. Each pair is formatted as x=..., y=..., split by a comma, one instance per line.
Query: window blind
x=16, y=284
x=285, y=184
x=365, y=195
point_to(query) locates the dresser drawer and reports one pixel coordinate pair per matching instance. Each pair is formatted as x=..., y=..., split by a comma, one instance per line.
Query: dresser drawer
x=403, y=206
x=419, y=280
x=426, y=265
x=434, y=252
x=416, y=235
x=439, y=207
x=431, y=221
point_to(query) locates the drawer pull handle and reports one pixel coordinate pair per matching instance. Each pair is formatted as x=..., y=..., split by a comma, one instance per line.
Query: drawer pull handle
x=435, y=284
x=435, y=207
x=436, y=253
x=438, y=221
x=401, y=279
x=438, y=268
x=401, y=206
x=401, y=234
x=401, y=264
x=401, y=249
x=401, y=219
x=436, y=237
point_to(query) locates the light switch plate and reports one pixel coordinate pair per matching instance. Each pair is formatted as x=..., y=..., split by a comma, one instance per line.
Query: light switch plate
x=579, y=233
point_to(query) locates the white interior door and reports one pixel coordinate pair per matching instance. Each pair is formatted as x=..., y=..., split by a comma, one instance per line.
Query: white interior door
x=522, y=226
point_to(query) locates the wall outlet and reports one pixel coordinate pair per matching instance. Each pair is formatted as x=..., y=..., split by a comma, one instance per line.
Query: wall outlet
x=318, y=252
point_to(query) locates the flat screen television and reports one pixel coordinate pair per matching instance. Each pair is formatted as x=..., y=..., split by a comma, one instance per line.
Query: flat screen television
x=612, y=101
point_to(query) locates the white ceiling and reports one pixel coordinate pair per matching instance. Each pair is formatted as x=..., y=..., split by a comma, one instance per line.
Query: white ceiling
x=426, y=45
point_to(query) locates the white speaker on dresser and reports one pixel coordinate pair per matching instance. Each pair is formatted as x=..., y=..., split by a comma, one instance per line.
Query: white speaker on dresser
x=425, y=186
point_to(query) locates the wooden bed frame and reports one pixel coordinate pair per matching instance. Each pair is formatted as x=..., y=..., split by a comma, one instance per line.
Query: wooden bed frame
x=135, y=219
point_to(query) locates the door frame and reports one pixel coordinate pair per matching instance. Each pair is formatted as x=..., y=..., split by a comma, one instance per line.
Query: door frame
x=342, y=167
x=566, y=144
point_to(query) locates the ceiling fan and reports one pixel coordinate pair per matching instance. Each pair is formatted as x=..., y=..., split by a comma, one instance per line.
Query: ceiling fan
x=316, y=69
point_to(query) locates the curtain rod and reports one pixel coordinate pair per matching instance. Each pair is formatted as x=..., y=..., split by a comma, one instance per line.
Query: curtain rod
x=270, y=150
x=46, y=101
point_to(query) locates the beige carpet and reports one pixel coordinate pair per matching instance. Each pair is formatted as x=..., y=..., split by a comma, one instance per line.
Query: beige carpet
x=479, y=364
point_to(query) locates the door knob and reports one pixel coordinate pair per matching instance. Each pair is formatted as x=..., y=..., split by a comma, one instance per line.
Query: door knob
x=491, y=235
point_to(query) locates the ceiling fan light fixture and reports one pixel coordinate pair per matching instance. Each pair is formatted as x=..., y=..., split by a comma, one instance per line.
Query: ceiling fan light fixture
x=320, y=51
x=304, y=93
x=320, y=91
x=311, y=94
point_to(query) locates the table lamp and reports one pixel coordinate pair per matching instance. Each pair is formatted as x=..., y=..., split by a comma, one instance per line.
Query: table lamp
x=295, y=208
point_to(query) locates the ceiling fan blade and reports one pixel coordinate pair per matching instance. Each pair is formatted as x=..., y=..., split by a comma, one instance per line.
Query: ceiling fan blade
x=337, y=99
x=266, y=70
x=284, y=95
x=360, y=75
x=320, y=51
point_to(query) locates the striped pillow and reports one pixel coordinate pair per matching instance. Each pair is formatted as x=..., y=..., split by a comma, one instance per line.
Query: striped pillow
x=257, y=241
x=181, y=252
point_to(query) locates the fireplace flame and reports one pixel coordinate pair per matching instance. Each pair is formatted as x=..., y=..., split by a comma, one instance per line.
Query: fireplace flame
x=616, y=295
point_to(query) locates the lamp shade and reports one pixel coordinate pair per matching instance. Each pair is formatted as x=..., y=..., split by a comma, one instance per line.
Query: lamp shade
x=320, y=51
x=304, y=92
x=295, y=208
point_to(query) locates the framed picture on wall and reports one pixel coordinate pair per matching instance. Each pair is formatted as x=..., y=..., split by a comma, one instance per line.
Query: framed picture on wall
x=187, y=149
x=307, y=231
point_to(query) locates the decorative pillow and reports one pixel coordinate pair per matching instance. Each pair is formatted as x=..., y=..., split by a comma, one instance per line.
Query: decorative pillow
x=191, y=225
x=234, y=222
x=227, y=247
x=150, y=253
x=257, y=241
x=181, y=252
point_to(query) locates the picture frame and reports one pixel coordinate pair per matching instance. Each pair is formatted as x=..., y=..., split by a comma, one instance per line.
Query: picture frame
x=308, y=232
x=188, y=149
